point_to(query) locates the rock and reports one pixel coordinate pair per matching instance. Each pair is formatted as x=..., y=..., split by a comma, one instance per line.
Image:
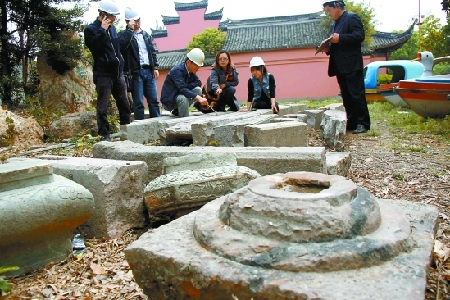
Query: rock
x=25, y=132
x=70, y=92
x=74, y=124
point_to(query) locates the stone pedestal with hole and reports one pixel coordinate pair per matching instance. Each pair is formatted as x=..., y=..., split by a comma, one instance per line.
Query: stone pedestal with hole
x=297, y=235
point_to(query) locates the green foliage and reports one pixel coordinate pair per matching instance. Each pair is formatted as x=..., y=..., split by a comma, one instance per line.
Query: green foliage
x=5, y=287
x=84, y=143
x=8, y=138
x=441, y=69
x=44, y=116
x=384, y=78
x=432, y=38
x=365, y=12
x=36, y=27
x=408, y=50
x=210, y=41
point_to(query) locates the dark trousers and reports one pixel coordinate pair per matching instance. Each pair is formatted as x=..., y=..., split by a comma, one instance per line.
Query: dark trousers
x=261, y=104
x=354, y=97
x=227, y=98
x=106, y=87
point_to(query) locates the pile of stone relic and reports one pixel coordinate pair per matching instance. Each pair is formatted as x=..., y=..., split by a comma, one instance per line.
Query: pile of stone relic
x=242, y=220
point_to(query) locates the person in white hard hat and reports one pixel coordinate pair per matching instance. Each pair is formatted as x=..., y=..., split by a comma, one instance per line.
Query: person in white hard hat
x=182, y=86
x=101, y=39
x=261, y=87
x=141, y=63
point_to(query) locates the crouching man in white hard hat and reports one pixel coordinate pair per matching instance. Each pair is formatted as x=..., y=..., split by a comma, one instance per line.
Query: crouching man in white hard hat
x=182, y=86
x=101, y=39
x=141, y=63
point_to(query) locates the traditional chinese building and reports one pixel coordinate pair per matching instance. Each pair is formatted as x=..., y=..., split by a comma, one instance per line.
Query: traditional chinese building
x=286, y=43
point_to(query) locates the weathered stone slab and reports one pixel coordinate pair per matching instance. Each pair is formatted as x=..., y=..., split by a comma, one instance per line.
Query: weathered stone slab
x=233, y=134
x=264, y=160
x=38, y=218
x=239, y=246
x=314, y=117
x=335, y=106
x=198, y=161
x=333, y=127
x=142, y=131
x=183, y=128
x=20, y=173
x=203, y=131
x=283, y=134
x=338, y=163
x=170, y=195
x=117, y=187
x=284, y=110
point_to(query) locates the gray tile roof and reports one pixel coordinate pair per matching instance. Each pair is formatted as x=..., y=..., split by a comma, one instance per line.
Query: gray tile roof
x=167, y=20
x=189, y=6
x=214, y=15
x=156, y=33
x=168, y=59
x=263, y=37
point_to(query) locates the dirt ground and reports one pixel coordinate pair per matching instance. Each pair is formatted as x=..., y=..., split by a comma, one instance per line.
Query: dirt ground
x=417, y=169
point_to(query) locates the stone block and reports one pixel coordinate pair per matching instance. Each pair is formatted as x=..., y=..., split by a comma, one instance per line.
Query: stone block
x=335, y=106
x=338, y=163
x=177, y=193
x=142, y=131
x=283, y=134
x=290, y=236
x=264, y=160
x=333, y=128
x=203, y=131
x=284, y=110
x=233, y=134
x=198, y=161
x=38, y=217
x=117, y=187
x=303, y=118
x=314, y=117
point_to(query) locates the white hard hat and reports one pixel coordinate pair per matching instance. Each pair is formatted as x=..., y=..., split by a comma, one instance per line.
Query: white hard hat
x=109, y=7
x=197, y=56
x=256, y=61
x=131, y=14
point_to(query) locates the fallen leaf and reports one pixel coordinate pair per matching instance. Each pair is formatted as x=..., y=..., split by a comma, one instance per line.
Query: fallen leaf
x=97, y=269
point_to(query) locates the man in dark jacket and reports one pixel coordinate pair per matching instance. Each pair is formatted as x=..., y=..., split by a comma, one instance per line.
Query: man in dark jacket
x=140, y=62
x=101, y=39
x=182, y=86
x=346, y=63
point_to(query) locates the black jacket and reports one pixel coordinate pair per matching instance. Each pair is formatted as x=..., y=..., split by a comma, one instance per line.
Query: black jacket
x=178, y=82
x=105, y=48
x=130, y=50
x=346, y=56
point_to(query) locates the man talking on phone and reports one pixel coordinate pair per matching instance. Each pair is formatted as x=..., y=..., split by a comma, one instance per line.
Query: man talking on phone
x=102, y=40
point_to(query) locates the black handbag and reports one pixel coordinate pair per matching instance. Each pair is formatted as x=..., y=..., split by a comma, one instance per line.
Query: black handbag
x=129, y=82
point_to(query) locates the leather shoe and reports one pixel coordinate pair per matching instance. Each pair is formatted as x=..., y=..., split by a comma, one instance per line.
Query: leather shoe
x=360, y=129
x=175, y=112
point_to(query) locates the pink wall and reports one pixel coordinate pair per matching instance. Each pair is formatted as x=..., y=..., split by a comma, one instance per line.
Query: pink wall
x=192, y=22
x=298, y=75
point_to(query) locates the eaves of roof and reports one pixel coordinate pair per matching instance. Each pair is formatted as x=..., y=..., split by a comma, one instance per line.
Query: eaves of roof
x=190, y=6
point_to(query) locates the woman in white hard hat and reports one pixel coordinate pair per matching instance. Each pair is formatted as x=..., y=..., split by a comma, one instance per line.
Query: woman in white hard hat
x=261, y=87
